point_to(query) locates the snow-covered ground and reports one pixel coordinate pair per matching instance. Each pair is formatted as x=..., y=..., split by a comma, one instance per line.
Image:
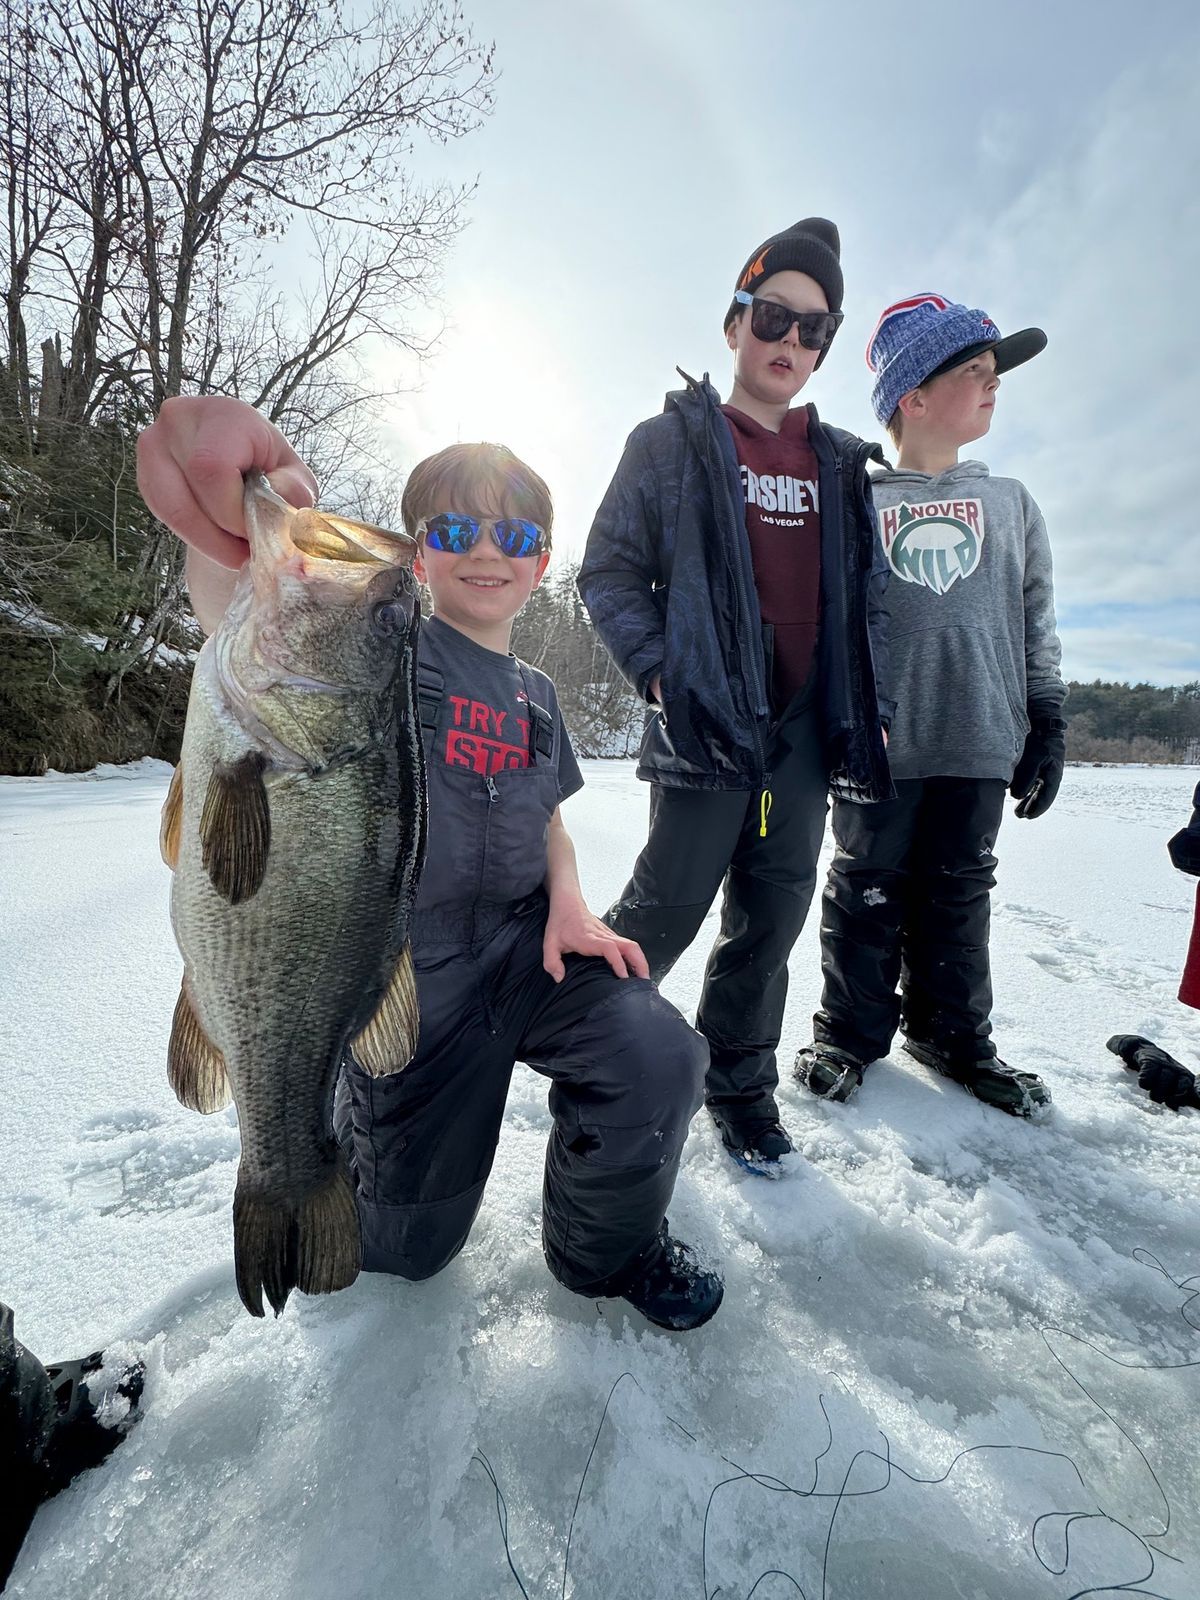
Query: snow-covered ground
x=994, y=1309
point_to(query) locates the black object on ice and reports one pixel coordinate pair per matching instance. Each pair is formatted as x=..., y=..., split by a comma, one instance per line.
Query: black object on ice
x=1164, y=1079
x=670, y=1287
x=1021, y=1094
x=756, y=1143
x=51, y=1429
x=829, y=1072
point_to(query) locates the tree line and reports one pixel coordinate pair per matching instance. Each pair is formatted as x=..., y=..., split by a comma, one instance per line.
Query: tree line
x=215, y=197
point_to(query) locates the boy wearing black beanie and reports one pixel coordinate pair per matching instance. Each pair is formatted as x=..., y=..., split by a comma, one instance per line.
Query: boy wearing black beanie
x=733, y=572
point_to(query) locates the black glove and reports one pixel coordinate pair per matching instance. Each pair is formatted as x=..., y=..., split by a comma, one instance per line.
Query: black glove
x=1164, y=1079
x=1040, y=769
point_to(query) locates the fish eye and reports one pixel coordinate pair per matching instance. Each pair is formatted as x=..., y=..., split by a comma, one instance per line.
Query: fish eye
x=390, y=616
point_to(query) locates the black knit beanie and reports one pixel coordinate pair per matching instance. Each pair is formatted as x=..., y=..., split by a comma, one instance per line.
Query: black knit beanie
x=811, y=246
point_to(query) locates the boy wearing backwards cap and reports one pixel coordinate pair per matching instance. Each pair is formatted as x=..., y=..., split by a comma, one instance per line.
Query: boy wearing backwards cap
x=979, y=699
x=733, y=572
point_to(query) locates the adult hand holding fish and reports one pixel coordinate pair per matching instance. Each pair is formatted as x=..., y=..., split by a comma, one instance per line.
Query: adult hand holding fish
x=192, y=460
x=295, y=825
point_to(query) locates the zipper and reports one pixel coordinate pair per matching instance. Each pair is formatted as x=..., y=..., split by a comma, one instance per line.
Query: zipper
x=493, y=793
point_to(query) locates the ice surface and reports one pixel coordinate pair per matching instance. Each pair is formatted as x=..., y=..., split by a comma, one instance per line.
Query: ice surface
x=930, y=1278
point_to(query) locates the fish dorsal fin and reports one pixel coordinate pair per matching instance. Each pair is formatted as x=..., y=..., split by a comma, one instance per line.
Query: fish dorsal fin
x=195, y=1067
x=389, y=1040
x=319, y=533
x=235, y=827
x=172, y=819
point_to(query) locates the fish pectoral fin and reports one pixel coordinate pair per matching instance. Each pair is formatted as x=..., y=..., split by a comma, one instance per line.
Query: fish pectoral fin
x=235, y=827
x=172, y=820
x=389, y=1041
x=195, y=1067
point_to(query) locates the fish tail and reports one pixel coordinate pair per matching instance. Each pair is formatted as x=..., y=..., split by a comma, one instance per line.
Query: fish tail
x=313, y=1244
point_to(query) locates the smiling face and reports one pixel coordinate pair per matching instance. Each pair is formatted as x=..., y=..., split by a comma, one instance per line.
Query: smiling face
x=768, y=377
x=481, y=591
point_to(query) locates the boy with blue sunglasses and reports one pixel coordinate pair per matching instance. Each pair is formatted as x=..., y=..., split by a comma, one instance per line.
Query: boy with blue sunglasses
x=733, y=572
x=510, y=963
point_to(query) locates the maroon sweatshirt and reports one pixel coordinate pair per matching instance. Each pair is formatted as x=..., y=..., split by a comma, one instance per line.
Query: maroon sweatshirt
x=779, y=481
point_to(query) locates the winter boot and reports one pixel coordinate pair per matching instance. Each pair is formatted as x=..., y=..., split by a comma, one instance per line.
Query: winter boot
x=669, y=1286
x=832, y=1073
x=1021, y=1094
x=1164, y=1079
x=52, y=1428
x=754, y=1140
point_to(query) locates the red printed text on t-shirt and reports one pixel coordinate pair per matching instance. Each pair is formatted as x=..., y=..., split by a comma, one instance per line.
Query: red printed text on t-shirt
x=483, y=738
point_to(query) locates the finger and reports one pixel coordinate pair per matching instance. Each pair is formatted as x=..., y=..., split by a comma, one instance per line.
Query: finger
x=165, y=490
x=611, y=951
x=552, y=959
x=635, y=958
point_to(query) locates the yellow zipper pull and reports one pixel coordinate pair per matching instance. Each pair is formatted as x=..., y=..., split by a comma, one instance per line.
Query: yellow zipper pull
x=764, y=811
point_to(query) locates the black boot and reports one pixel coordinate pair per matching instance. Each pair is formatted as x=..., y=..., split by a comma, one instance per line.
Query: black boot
x=1164, y=1079
x=1021, y=1094
x=669, y=1286
x=756, y=1140
x=51, y=1429
x=829, y=1072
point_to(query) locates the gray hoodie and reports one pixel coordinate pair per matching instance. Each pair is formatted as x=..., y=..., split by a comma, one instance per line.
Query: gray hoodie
x=971, y=609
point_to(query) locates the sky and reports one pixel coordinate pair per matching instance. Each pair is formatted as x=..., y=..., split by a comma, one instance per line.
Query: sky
x=1036, y=161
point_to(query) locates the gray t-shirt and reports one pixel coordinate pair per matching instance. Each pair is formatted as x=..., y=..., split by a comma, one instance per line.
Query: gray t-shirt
x=485, y=720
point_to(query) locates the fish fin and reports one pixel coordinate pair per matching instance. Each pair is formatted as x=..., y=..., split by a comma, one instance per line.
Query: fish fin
x=315, y=1245
x=172, y=820
x=235, y=828
x=195, y=1067
x=389, y=1041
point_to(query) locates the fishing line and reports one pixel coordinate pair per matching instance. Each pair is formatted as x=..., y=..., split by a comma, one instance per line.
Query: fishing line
x=502, y=1517
x=776, y=1485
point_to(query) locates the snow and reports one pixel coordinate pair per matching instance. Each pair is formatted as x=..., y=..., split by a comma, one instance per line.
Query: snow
x=929, y=1278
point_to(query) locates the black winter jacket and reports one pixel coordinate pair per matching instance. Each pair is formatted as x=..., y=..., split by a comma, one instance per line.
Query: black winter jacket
x=668, y=581
x=1185, y=845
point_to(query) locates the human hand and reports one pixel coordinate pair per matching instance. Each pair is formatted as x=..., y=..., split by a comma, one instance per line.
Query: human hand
x=190, y=464
x=571, y=929
x=1040, y=769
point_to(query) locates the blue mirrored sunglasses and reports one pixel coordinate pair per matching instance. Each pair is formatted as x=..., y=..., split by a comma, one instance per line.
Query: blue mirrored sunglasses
x=456, y=534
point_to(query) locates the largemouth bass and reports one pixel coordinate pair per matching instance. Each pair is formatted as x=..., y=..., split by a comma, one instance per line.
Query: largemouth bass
x=295, y=825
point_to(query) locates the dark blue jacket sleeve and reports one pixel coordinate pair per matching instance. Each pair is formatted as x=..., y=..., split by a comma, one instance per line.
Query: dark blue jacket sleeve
x=877, y=620
x=622, y=565
x=1185, y=846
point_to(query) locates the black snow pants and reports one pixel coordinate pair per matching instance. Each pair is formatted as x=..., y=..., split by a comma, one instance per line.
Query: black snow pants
x=27, y=1418
x=625, y=1071
x=769, y=868
x=907, y=902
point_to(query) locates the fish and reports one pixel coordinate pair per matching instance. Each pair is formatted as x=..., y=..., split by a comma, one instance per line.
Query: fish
x=295, y=827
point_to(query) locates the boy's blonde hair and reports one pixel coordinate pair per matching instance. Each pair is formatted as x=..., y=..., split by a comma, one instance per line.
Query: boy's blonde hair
x=473, y=479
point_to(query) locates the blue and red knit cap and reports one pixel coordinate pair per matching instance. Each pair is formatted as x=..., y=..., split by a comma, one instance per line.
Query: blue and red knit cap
x=810, y=246
x=922, y=337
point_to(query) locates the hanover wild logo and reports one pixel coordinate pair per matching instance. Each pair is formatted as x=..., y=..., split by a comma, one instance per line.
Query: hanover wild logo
x=933, y=545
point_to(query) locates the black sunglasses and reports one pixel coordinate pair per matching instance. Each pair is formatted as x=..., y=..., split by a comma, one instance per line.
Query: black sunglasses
x=455, y=533
x=770, y=322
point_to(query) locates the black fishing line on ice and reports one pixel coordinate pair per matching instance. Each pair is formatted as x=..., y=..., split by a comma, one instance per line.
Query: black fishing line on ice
x=1190, y=1286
